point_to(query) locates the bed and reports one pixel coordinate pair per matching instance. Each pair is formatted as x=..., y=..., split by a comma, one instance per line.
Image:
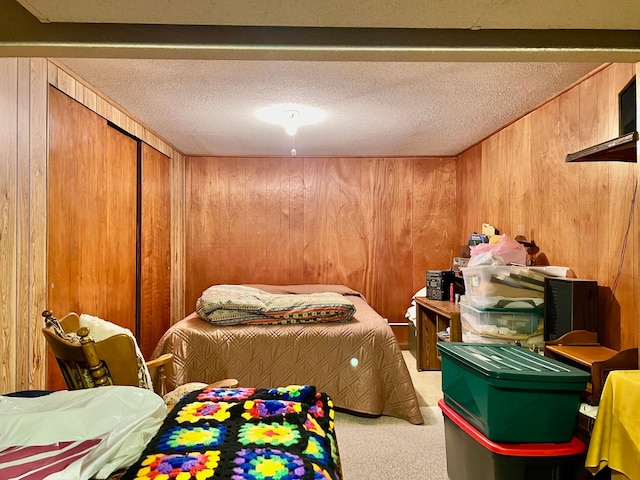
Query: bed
x=358, y=363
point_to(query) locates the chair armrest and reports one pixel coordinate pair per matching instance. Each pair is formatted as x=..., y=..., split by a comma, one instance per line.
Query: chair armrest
x=226, y=383
x=161, y=361
x=159, y=365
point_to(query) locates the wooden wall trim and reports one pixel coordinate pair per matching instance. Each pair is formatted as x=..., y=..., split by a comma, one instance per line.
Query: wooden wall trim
x=90, y=97
x=178, y=263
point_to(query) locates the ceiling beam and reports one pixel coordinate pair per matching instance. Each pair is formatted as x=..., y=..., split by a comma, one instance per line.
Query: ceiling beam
x=21, y=34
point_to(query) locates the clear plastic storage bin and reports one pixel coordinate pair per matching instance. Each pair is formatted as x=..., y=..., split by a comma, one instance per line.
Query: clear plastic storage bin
x=500, y=286
x=502, y=321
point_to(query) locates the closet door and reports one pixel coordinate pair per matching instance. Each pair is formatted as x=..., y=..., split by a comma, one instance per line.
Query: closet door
x=155, y=278
x=91, y=217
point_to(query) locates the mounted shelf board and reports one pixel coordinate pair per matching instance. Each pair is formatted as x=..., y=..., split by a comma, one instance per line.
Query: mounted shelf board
x=622, y=149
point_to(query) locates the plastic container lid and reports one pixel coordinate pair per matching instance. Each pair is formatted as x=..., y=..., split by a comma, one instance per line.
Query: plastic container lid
x=511, y=362
x=573, y=447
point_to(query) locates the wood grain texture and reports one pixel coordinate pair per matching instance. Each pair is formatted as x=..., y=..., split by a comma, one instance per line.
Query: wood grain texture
x=242, y=217
x=92, y=215
x=22, y=224
x=178, y=264
x=88, y=96
x=435, y=238
x=468, y=191
x=350, y=221
x=22, y=221
x=37, y=276
x=579, y=212
x=9, y=224
x=96, y=102
x=155, y=282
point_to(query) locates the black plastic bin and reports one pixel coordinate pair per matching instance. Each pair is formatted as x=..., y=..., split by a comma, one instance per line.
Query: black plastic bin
x=471, y=455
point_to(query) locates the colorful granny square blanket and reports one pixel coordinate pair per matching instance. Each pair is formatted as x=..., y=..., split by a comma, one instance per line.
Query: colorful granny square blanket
x=284, y=433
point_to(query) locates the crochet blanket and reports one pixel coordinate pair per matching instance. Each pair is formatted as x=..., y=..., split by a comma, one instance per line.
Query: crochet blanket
x=284, y=433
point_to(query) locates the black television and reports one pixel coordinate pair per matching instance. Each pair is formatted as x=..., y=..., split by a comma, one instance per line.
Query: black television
x=627, y=108
x=622, y=148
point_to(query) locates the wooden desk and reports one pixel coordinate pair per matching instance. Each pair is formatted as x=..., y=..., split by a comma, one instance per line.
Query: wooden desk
x=433, y=316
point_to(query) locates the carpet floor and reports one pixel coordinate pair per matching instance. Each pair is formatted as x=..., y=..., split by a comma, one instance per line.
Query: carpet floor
x=388, y=448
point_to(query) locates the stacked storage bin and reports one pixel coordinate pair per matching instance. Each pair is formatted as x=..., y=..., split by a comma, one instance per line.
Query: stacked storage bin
x=510, y=414
x=502, y=304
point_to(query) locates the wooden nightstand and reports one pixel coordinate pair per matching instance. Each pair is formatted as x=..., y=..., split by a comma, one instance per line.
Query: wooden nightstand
x=433, y=317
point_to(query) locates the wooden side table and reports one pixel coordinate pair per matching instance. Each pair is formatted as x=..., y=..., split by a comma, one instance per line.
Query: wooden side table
x=580, y=348
x=434, y=316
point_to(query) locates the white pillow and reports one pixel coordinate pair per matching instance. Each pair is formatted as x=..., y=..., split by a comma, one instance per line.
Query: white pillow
x=102, y=329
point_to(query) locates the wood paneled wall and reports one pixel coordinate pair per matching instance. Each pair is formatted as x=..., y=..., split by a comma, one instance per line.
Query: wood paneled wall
x=104, y=107
x=23, y=232
x=23, y=210
x=579, y=212
x=374, y=224
x=155, y=281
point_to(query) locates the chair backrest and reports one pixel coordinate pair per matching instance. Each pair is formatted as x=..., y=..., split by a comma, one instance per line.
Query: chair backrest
x=85, y=363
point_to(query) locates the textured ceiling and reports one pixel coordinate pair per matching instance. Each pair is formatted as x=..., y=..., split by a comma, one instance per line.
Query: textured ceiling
x=465, y=14
x=374, y=108
x=399, y=78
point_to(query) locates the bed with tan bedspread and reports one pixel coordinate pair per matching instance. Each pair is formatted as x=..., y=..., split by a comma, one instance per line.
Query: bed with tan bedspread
x=358, y=363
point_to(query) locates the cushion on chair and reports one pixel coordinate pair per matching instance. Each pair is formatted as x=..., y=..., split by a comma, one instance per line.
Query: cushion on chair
x=54, y=324
x=102, y=329
x=79, y=372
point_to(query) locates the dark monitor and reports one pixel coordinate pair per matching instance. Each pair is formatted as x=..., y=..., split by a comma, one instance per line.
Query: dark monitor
x=627, y=108
x=569, y=304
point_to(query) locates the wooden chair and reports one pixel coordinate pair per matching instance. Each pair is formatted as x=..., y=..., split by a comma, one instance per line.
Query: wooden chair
x=112, y=361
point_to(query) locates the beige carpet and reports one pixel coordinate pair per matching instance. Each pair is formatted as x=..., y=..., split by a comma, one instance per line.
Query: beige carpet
x=388, y=448
x=428, y=384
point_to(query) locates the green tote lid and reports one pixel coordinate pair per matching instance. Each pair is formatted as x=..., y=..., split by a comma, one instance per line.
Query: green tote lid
x=511, y=362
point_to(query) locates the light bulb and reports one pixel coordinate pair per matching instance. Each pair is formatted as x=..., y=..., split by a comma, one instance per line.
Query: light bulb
x=290, y=122
x=291, y=129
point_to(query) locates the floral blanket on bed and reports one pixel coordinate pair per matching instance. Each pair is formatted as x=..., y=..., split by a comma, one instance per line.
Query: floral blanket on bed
x=239, y=304
x=284, y=433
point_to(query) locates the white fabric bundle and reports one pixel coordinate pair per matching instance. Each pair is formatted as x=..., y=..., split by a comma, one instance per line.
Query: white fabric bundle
x=79, y=434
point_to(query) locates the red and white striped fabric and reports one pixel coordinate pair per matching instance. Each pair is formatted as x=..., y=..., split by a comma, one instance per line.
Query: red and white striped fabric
x=37, y=462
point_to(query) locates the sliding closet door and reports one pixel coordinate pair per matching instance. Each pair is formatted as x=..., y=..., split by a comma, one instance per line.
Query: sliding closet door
x=155, y=287
x=92, y=216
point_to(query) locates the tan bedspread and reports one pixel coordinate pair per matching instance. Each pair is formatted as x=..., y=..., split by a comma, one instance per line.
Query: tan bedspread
x=358, y=363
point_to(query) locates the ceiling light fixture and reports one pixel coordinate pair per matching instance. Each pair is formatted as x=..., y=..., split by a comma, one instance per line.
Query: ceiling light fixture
x=291, y=122
x=291, y=116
